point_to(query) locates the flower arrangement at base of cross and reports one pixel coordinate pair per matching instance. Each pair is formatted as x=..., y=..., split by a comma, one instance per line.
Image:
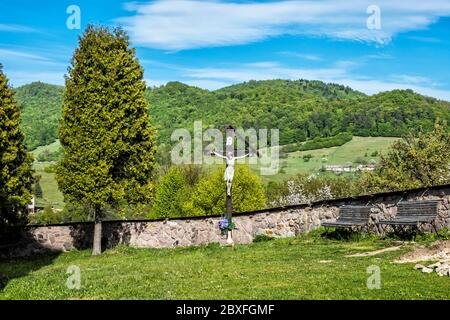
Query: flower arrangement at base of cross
x=225, y=225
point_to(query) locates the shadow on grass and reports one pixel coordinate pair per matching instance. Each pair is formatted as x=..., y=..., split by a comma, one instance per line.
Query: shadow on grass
x=345, y=234
x=21, y=254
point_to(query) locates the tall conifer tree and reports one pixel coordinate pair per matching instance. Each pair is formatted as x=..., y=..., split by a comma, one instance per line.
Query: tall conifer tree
x=15, y=162
x=105, y=130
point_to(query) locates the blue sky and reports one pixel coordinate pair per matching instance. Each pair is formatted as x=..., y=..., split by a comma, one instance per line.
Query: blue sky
x=212, y=44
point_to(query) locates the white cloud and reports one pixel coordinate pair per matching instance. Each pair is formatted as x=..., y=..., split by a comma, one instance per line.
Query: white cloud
x=8, y=54
x=305, y=56
x=375, y=86
x=16, y=28
x=18, y=78
x=208, y=84
x=413, y=79
x=185, y=24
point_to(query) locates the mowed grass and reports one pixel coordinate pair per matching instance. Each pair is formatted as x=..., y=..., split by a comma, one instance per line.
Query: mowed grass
x=306, y=267
x=358, y=147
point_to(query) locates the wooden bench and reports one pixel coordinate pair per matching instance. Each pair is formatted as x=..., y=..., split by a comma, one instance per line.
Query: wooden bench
x=414, y=213
x=351, y=216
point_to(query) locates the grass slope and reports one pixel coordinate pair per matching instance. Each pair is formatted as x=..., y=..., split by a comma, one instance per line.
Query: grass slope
x=52, y=147
x=358, y=147
x=291, y=268
x=50, y=192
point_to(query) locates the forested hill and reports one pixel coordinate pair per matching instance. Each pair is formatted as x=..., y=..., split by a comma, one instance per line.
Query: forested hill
x=301, y=109
x=40, y=105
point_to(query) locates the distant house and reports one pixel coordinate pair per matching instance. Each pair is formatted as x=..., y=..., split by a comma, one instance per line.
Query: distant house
x=338, y=168
x=365, y=167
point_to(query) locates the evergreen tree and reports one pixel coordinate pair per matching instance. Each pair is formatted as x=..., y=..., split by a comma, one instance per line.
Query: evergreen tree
x=105, y=132
x=15, y=162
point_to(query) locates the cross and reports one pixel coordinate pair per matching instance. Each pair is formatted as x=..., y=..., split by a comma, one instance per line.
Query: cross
x=229, y=172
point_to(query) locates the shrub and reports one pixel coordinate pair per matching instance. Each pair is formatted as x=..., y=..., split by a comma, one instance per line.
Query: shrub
x=307, y=157
x=170, y=195
x=46, y=216
x=209, y=194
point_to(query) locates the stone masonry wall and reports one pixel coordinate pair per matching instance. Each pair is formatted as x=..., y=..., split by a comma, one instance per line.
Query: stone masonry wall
x=276, y=222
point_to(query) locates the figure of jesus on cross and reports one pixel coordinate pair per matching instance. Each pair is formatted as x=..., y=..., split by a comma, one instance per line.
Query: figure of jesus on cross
x=229, y=171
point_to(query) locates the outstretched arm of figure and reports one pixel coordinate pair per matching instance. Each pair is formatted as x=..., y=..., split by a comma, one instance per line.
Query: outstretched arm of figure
x=242, y=157
x=219, y=155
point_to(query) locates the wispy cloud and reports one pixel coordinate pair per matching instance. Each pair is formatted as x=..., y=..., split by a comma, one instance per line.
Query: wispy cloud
x=21, y=77
x=413, y=79
x=186, y=24
x=340, y=72
x=8, y=53
x=16, y=28
x=426, y=39
x=305, y=56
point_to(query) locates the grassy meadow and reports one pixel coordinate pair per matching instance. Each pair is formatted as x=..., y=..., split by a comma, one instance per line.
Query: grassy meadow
x=305, y=267
x=358, y=147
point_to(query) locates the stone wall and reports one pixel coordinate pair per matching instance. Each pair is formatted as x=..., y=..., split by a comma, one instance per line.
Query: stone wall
x=276, y=222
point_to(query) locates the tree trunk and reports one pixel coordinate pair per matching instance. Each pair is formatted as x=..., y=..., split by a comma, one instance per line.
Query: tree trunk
x=97, y=245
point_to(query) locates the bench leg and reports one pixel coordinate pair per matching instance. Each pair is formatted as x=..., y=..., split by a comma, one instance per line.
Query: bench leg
x=433, y=224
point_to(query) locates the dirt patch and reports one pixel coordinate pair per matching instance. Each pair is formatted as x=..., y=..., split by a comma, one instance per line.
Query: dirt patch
x=440, y=250
x=373, y=253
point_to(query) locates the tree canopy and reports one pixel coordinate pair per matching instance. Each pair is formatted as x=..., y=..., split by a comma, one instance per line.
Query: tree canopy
x=105, y=128
x=301, y=109
x=15, y=162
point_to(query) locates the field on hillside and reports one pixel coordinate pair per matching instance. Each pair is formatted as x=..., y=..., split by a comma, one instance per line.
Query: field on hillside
x=50, y=192
x=358, y=147
x=52, y=147
x=306, y=267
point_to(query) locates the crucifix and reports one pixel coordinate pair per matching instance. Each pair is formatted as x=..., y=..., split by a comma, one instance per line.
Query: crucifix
x=229, y=172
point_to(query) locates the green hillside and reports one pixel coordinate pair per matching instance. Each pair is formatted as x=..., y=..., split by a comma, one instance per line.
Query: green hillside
x=40, y=105
x=301, y=109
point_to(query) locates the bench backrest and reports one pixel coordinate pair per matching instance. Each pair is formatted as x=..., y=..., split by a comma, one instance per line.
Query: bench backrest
x=422, y=209
x=354, y=213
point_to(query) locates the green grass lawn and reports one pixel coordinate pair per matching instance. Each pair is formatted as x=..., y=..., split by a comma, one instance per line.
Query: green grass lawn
x=306, y=267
